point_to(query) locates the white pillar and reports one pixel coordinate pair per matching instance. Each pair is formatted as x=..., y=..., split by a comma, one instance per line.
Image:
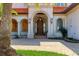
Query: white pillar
x=19, y=29
x=50, y=28
x=30, y=29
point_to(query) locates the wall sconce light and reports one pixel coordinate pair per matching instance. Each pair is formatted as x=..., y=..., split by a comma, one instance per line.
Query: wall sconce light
x=29, y=21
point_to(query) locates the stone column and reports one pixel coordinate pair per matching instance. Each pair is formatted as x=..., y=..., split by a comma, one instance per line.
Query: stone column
x=30, y=29
x=5, y=30
x=50, y=28
x=19, y=29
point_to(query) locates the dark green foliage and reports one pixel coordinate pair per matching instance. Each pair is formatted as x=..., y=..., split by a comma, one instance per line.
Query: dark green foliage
x=63, y=31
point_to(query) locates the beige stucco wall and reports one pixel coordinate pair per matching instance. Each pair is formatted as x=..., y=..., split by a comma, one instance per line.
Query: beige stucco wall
x=70, y=22
x=55, y=18
x=73, y=24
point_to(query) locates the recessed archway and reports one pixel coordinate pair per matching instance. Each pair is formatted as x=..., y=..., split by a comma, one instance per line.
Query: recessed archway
x=14, y=25
x=40, y=22
x=59, y=23
x=24, y=25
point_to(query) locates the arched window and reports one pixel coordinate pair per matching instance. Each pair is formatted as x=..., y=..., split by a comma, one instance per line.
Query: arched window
x=59, y=23
x=24, y=25
x=14, y=25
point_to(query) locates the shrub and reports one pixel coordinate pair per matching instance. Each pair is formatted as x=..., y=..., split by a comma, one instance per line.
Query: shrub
x=63, y=31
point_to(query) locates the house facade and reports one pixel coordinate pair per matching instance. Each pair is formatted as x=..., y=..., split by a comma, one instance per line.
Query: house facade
x=42, y=19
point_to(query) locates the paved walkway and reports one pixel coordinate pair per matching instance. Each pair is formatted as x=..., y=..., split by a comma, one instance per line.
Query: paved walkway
x=59, y=46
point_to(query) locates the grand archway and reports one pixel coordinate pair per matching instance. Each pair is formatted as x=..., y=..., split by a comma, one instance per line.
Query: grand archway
x=40, y=24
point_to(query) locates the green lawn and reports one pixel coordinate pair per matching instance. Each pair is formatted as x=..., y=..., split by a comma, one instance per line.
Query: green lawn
x=37, y=53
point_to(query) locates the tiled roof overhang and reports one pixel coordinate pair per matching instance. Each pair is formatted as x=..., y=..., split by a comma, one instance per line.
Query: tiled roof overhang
x=21, y=10
x=56, y=9
x=67, y=9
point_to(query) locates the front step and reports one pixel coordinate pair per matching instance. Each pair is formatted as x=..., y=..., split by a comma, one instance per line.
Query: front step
x=22, y=36
x=40, y=37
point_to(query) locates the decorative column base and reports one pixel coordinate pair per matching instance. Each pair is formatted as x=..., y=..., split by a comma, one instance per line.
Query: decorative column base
x=49, y=35
x=30, y=36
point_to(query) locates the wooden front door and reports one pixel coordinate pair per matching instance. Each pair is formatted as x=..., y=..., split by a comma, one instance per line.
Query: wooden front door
x=39, y=27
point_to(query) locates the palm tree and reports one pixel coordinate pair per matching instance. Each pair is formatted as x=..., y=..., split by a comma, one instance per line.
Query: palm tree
x=5, y=30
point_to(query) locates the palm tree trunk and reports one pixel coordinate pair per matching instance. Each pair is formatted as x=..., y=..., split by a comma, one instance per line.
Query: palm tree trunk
x=5, y=30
